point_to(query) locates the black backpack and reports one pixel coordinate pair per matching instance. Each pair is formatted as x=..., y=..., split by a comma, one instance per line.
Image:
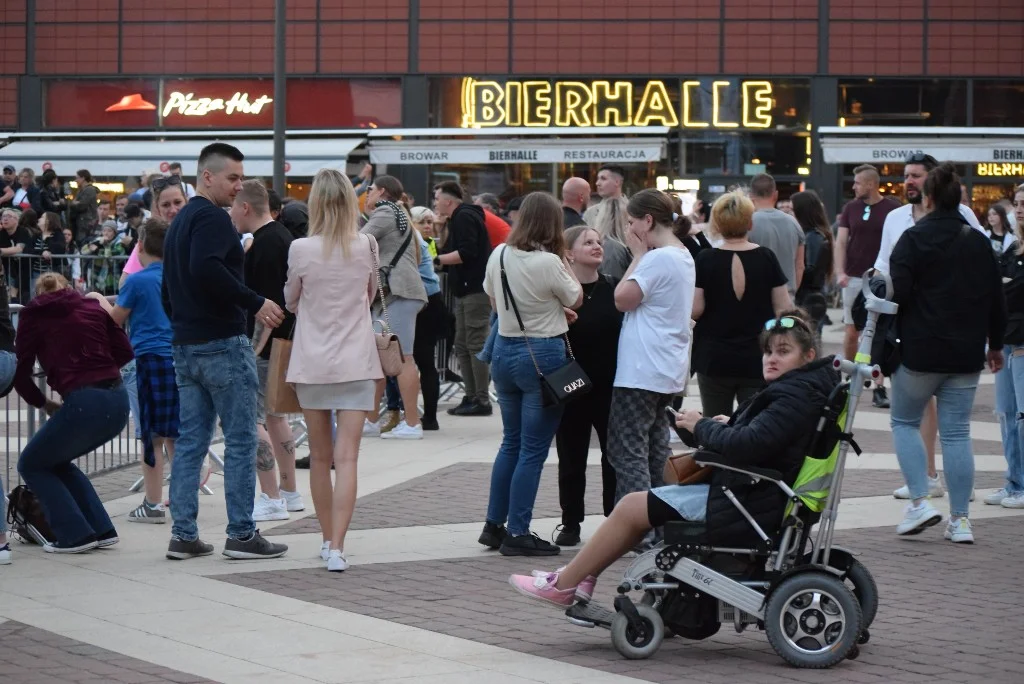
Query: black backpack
x=26, y=518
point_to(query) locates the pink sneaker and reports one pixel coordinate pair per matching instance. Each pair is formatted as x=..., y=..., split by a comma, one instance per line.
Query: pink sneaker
x=584, y=592
x=543, y=588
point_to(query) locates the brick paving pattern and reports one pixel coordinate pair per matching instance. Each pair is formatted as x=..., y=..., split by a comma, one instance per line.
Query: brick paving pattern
x=36, y=656
x=943, y=617
x=427, y=500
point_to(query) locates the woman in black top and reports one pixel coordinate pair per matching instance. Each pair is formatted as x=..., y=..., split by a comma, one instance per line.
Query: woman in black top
x=739, y=286
x=594, y=336
x=46, y=243
x=810, y=214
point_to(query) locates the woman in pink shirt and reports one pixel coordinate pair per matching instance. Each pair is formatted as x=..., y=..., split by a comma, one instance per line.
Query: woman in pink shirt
x=168, y=199
x=334, y=362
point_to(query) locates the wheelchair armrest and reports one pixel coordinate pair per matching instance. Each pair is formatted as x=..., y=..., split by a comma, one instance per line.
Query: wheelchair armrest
x=710, y=458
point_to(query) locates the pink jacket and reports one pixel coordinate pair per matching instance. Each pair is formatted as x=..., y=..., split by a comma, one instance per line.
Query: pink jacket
x=331, y=297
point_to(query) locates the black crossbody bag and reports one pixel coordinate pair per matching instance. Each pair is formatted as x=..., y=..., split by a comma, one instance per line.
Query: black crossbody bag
x=564, y=384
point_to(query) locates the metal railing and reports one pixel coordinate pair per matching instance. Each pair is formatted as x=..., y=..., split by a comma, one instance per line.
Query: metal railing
x=86, y=272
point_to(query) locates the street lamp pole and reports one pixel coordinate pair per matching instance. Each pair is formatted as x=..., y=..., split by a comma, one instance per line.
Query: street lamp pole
x=279, y=95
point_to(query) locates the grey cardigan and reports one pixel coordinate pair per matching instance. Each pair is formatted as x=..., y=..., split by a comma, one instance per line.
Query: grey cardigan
x=405, y=278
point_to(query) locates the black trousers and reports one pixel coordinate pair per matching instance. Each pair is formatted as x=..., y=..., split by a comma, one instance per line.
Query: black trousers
x=430, y=326
x=573, y=442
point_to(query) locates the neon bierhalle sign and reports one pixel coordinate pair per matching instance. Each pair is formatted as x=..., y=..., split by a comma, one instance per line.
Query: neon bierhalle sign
x=186, y=104
x=583, y=104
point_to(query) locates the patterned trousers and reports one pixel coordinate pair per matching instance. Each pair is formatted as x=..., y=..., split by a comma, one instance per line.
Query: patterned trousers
x=638, y=439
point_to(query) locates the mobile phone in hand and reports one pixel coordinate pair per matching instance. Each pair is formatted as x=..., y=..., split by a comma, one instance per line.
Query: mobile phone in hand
x=685, y=435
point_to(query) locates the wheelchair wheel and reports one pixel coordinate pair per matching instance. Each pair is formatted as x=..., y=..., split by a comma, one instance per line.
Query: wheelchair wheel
x=813, y=620
x=638, y=643
x=866, y=591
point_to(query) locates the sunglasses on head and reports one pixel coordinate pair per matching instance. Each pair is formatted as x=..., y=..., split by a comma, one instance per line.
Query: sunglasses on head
x=786, y=323
x=921, y=158
x=160, y=183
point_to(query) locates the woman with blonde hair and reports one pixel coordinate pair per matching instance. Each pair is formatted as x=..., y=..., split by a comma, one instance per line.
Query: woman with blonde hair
x=611, y=223
x=334, y=363
x=529, y=282
x=739, y=286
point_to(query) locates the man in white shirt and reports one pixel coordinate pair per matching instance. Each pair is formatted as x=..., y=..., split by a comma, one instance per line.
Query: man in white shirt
x=896, y=223
x=175, y=169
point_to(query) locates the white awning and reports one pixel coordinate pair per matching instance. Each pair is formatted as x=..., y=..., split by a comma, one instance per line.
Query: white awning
x=877, y=144
x=505, y=151
x=125, y=158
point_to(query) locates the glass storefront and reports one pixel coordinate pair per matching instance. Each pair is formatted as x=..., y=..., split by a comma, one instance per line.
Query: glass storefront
x=903, y=102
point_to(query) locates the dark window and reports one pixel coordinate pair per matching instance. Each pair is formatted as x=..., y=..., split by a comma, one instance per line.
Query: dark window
x=874, y=102
x=999, y=104
x=739, y=154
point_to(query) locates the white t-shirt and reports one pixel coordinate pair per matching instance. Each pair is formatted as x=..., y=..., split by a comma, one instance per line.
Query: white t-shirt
x=541, y=287
x=654, y=345
x=897, y=222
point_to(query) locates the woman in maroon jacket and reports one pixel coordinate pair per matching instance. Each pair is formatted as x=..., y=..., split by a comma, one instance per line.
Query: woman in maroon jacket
x=81, y=351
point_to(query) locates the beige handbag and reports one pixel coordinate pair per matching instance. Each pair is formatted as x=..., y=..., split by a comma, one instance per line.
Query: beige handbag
x=388, y=348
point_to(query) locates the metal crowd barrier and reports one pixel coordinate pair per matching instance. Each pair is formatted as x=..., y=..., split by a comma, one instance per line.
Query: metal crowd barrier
x=86, y=272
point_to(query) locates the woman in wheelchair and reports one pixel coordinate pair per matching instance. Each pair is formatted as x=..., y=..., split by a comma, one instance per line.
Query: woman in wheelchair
x=773, y=430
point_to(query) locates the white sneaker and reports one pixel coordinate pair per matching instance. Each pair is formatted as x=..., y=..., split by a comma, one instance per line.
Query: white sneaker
x=404, y=431
x=267, y=509
x=673, y=437
x=293, y=501
x=915, y=520
x=371, y=429
x=935, y=490
x=1015, y=500
x=959, y=531
x=325, y=551
x=5, y=553
x=336, y=561
x=996, y=497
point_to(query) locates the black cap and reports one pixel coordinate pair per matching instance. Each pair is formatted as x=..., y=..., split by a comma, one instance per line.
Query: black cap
x=9, y=169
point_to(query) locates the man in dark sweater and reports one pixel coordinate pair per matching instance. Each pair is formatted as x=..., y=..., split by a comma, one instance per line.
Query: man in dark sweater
x=207, y=302
x=464, y=256
x=266, y=271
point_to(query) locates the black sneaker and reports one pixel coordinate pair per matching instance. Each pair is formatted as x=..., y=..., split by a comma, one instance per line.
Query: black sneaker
x=568, y=534
x=302, y=463
x=475, y=409
x=493, y=535
x=107, y=539
x=253, y=548
x=466, y=403
x=430, y=424
x=880, y=398
x=527, y=545
x=79, y=546
x=179, y=549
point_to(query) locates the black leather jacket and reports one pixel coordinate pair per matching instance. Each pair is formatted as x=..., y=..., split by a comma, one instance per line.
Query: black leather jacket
x=773, y=430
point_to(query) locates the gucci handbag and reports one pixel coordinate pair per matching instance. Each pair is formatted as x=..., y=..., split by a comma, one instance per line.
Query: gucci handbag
x=560, y=386
x=388, y=348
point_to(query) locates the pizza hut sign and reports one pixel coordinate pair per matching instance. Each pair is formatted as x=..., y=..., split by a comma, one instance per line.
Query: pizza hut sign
x=221, y=103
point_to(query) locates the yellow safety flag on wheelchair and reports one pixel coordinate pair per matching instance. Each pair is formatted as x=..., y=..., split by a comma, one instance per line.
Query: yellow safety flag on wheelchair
x=813, y=483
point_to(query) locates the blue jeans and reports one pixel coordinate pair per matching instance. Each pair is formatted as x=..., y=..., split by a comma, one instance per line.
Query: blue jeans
x=215, y=379
x=393, y=395
x=90, y=418
x=8, y=365
x=131, y=384
x=528, y=427
x=1009, y=403
x=911, y=392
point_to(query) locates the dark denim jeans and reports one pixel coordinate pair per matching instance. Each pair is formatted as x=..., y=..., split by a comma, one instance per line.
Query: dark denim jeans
x=90, y=418
x=215, y=379
x=528, y=427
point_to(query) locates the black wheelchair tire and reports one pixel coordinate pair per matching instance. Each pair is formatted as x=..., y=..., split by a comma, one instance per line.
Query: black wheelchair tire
x=866, y=591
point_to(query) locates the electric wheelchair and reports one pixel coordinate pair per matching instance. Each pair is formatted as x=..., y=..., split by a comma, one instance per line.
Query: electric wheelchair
x=815, y=601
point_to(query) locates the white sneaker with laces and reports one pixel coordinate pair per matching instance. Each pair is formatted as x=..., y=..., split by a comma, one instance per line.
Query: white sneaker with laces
x=371, y=429
x=959, y=531
x=404, y=431
x=996, y=497
x=1015, y=500
x=935, y=490
x=293, y=501
x=915, y=520
x=267, y=509
x=336, y=561
x=5, y=553
x=325, y=551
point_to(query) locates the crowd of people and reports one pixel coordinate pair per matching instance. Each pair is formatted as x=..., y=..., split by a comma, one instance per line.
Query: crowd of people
x=228, y=311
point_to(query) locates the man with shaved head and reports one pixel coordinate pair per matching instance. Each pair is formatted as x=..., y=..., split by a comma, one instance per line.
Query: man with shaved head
x=575, y=196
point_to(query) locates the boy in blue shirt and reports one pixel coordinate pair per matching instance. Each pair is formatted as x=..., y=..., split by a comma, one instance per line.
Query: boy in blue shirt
x=140, y=304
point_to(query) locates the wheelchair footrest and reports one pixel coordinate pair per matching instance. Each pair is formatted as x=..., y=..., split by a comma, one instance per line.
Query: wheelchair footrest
x=590, y=614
